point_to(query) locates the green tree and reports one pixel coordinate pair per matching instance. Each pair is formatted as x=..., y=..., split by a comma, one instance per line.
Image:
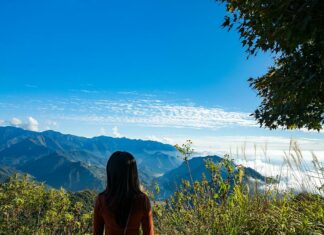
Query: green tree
x=292, y=90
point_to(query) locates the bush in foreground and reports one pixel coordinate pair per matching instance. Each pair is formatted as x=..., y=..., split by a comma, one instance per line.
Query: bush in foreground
x=218, y=207
x=211, y=206
x=27, y=207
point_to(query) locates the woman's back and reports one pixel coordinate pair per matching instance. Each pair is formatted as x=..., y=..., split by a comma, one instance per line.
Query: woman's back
x=140, y=215
x=122, y=208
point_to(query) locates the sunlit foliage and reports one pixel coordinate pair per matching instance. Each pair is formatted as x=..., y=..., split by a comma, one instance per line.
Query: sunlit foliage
x=292, y=90
x=214, y=205
x=27, y=207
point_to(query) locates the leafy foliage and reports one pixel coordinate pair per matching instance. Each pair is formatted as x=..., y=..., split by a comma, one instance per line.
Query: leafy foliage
x=186, y=151
x=27, y=207
x=214, y=206
x=292, y=90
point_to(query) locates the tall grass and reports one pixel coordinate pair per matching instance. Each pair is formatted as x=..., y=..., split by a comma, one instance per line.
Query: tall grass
x=220, y=206
x=296, y=172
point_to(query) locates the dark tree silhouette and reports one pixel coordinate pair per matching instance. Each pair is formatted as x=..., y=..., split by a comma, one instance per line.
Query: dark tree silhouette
x=292, y=90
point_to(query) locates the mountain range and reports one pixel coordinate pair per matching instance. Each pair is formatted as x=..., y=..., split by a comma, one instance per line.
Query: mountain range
x=77, y=163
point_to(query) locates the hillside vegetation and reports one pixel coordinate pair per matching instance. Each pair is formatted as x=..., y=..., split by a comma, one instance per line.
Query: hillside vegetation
x=212, y=205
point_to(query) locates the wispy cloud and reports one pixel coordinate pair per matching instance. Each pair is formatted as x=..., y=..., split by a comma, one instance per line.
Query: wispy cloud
x=307, y=178
x=89, y=91
x=269, y=147
x=134, y=112
x=154, y=112
x=163, y=139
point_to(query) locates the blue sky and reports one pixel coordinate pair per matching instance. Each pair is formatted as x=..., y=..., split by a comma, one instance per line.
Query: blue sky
x=117, y=46
x=151, y=69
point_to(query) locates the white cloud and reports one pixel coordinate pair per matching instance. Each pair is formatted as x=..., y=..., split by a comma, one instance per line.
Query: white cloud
x=2, y=122
x=300, y=177
x=310, y=131
x=291, y=159
x=271, y=147
x=15, y=122
x=270, y=155
x=155, y=113
x=116, y=132
x=32, y=124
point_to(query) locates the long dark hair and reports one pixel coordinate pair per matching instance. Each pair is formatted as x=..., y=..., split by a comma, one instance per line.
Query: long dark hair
x=122, y=185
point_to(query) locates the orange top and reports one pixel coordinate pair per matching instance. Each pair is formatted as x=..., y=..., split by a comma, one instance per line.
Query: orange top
x=140, y=214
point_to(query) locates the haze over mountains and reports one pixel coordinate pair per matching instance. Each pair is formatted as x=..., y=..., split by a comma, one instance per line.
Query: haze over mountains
x=77, y=163
x=171, y=180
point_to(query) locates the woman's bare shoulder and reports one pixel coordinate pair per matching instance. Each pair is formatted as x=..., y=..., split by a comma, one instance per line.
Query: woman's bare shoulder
x=100, y=197
x=141, y=197
x=141, y=202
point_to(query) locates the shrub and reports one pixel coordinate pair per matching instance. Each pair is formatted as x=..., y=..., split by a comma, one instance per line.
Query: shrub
x=218, y=206
x=28, y=207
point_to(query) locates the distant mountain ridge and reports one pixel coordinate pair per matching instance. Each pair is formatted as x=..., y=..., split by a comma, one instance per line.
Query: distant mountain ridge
x=172, y=180
x=77, y=163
